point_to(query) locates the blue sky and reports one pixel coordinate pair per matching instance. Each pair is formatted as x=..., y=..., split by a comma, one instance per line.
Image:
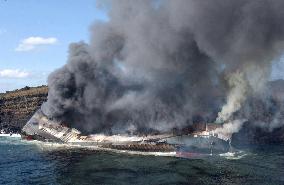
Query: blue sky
x=35, y=34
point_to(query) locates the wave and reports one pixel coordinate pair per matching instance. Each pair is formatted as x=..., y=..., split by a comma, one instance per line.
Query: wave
x=234, y=155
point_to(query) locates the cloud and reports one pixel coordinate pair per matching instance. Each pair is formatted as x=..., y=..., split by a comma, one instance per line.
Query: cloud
x=13, y=73
x=31, y=43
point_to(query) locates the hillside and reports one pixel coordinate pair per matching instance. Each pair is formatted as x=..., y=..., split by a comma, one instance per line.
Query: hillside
x=17, y=106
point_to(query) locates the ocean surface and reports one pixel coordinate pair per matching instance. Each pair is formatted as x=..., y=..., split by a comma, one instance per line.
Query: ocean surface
x=23, y=162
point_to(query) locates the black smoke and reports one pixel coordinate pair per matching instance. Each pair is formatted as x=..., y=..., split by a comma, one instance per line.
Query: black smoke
x=157, y=64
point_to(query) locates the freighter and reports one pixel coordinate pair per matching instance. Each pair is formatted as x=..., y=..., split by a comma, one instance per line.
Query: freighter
x=195, y=144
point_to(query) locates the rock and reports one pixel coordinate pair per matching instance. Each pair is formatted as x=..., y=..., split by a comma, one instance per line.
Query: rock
x=16, y=107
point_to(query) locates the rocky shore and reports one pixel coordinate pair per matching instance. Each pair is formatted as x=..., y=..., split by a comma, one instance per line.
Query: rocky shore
x=17, y=106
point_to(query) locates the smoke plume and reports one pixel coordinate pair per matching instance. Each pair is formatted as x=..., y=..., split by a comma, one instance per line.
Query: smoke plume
x=158, y=63
x=236, y=96
x=230, y=128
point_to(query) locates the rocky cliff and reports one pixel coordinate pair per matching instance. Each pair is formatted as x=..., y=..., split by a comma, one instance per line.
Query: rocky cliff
x=16, y=107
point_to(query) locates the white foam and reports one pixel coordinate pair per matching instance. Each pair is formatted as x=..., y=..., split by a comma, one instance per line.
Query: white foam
x=10, y=135
x=233, y=155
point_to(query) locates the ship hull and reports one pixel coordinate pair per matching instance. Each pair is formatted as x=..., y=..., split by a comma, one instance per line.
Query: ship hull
x=39, y=127
x=199, y=144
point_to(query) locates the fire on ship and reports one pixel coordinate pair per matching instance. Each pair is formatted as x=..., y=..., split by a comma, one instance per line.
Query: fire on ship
x=199, y=142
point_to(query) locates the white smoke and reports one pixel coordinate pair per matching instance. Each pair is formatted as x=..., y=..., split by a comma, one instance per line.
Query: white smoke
x=237, y=95
x=230, y=127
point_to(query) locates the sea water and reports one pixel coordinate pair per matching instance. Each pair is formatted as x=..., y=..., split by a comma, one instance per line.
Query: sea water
x=33, y=162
